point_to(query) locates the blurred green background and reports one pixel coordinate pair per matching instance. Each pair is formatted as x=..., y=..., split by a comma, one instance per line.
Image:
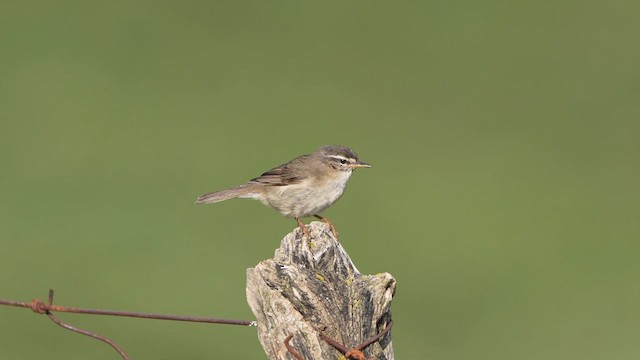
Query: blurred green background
x=504, y=194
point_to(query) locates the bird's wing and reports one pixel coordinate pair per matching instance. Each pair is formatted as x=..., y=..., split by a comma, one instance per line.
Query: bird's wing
x=281, y=175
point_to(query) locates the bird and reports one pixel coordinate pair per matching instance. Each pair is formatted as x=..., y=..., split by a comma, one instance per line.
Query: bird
x=302, y=187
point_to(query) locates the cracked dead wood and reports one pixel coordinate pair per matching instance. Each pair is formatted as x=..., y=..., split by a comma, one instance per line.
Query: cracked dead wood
x=312, y=287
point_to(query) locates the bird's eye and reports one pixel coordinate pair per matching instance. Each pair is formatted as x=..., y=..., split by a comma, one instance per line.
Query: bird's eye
x=343, y=161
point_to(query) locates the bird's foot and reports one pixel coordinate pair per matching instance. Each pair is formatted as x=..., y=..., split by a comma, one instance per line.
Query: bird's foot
x=331, y=227
x=304, y=229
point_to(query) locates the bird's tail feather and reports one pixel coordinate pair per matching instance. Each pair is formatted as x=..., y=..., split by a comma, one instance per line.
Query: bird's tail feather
x=217, y=196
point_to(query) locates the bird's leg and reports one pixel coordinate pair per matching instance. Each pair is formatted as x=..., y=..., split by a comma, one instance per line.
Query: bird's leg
x=328, y=222
x=303, y=228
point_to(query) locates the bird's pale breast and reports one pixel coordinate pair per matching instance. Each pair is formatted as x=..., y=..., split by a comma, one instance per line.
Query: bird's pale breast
x=307, y=198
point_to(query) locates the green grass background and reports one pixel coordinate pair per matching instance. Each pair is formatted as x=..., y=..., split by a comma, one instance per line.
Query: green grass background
x=504, y=194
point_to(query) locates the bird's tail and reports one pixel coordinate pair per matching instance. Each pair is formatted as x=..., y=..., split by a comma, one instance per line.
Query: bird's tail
x=244, y=190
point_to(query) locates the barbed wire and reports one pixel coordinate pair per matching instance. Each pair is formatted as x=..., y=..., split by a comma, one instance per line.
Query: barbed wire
x=354, y=353
x=40, y=307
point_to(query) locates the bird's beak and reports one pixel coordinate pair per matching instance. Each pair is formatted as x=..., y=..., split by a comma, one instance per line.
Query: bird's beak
x=360, y=164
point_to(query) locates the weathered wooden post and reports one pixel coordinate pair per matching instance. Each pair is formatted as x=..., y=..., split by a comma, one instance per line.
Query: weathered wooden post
x=310, y=292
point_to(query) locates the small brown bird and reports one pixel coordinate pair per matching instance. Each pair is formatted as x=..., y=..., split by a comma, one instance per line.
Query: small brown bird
x=305, y=186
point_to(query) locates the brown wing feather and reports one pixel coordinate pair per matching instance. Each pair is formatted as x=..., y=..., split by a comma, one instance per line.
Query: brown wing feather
x=281, y=175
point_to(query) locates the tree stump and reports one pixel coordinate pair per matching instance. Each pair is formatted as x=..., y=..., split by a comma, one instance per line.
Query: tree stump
x=311, y=290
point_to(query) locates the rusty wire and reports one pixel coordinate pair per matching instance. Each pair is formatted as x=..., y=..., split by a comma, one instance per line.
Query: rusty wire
x=40, y=307
x=290, y=348
x=354, y=353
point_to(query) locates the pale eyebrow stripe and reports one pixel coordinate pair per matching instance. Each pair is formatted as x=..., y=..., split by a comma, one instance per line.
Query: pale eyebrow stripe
x=340, y=157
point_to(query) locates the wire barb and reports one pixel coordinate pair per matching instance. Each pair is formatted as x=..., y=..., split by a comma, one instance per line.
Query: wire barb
x=355, y=353
x=39, y=307
x=90, y=334
x=290, y=348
